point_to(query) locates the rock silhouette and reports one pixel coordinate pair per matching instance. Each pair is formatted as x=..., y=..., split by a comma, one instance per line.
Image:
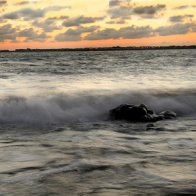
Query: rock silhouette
x=139, y=113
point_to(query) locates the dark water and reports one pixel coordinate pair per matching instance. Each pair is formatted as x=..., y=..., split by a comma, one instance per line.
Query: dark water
x=56, y=137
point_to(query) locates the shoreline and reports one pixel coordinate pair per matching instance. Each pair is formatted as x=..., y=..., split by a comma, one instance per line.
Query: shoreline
x=103, y=49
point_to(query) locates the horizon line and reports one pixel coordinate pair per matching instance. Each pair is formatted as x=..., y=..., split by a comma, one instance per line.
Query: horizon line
x=102, y=48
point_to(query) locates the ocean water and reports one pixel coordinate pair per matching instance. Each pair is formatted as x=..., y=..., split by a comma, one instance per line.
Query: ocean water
x=56, y=137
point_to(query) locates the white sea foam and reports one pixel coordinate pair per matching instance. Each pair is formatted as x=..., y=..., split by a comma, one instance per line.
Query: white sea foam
x=62, y=108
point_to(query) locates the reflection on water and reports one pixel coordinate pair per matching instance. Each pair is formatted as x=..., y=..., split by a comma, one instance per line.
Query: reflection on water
x=99, y=159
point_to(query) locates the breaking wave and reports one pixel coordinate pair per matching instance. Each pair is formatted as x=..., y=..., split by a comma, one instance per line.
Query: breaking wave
x=62, y=108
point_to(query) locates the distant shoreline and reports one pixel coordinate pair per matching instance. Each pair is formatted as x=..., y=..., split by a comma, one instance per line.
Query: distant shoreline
x=103, y=48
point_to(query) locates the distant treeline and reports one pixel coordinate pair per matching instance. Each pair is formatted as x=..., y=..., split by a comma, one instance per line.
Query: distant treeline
x=104, y=48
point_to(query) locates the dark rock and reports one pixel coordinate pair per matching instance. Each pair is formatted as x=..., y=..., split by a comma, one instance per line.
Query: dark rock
x=139, y=113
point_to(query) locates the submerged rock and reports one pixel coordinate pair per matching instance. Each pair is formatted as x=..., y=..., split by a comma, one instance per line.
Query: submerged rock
x=139, y=113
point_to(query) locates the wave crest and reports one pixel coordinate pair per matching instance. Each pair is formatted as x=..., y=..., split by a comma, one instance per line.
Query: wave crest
x=88, y=107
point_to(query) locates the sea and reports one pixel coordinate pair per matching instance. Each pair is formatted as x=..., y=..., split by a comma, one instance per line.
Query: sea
x=56, y=135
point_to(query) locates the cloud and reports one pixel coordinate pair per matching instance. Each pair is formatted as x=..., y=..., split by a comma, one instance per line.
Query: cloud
x=176, y=29
x=26, y=13
x=108, y=33
x=29, y=14
x=56, y=8
x=58, y=18
x=80, y=20
x=27, y=2
x=22, y=3
x=193, y=28
x=7, y=32
x=180, y=18
x=120, y=21
x=181, y=7
x=148, y=11
x=31, y=35
x=131, y=32
x=114, y=3
x=47, y=25
x=75, y=34
x=3, y=2
x=124, y=11
x=134, y=32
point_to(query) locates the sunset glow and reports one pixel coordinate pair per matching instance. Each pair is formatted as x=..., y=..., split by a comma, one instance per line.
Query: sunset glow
x=97, y=23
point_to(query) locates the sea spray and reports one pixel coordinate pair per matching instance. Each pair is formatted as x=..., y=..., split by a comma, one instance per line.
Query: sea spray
x=63, y=108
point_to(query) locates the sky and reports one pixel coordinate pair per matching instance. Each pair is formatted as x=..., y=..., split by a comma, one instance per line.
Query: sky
x=96, y=23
